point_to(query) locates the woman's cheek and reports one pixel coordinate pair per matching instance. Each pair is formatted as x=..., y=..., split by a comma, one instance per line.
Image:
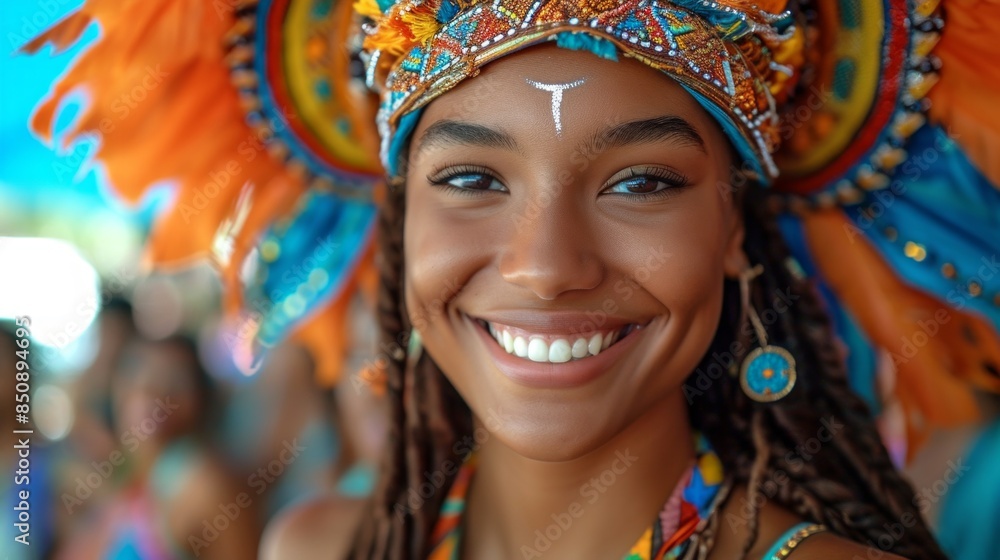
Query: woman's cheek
x=679, y=265
x=440, y=261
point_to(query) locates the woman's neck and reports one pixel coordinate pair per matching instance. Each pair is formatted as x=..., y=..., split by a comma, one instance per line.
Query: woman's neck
x=595, y=506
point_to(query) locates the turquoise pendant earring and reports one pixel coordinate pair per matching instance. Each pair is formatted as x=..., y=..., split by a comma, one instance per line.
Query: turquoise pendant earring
x=768, y=372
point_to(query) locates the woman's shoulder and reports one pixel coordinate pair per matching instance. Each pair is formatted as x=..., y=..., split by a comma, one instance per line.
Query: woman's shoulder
x=827, y=545
x=774, y=524
x=320, y=528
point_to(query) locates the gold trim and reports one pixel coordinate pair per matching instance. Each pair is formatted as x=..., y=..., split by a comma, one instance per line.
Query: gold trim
x=795, y=540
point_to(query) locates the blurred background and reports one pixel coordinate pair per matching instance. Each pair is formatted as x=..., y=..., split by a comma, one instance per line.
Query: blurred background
x=147, y=440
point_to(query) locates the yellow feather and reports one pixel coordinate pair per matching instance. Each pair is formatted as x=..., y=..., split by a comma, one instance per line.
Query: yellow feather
x=422, y=22
x=388, y=40
x=368, y=8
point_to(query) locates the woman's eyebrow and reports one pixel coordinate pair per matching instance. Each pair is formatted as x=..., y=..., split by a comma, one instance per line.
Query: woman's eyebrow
x=648, y=131
x=445, y=132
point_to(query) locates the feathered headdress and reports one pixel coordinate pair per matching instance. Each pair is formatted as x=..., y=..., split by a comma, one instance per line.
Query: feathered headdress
x=249, y=111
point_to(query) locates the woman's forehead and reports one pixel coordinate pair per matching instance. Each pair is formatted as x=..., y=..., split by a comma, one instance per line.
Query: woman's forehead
x=517, y=76
x=547, y=92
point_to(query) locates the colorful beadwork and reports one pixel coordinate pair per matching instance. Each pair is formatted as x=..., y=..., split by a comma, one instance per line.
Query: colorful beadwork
x=297, y=92
x=846, y=133
x=768, y=373
x=731, y=55
x=693, y=503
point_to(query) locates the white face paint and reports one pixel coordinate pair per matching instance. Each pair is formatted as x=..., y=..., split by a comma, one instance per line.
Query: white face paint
x=557, y=94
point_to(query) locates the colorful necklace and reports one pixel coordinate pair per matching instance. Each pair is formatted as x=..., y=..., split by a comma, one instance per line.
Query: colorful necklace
x=673, y=535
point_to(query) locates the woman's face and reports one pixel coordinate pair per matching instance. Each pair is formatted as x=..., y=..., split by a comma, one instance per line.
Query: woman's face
x=156, y=392
x=579, y=205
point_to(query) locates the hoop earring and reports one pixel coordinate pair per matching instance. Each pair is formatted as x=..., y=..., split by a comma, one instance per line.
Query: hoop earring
x=768, y=372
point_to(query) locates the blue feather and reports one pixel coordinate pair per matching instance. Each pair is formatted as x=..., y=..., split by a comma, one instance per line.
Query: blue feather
x=448, y=10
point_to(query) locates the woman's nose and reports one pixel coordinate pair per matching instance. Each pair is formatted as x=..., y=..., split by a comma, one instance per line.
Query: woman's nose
x=551, y=251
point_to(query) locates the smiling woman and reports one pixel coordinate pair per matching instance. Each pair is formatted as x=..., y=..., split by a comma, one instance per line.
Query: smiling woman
x=629, y=254
x=538, y=280
x=561, y=325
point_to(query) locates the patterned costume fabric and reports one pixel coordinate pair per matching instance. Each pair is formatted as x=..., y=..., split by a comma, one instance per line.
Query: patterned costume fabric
x=671, y=536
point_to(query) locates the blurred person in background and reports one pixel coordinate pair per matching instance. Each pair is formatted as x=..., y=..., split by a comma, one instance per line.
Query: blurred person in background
x=282, y=404
x=169, y=488
x=92, y=436
x=312, y=528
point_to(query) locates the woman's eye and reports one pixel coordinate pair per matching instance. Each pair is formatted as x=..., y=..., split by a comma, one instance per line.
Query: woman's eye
x=646, y=182
x=466, y=180
x=473, y=182
x=640, y=185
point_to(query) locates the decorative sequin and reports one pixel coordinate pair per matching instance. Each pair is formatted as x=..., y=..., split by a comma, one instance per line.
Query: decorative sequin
x=975, y=288
x=915, y=251
x=948, y=270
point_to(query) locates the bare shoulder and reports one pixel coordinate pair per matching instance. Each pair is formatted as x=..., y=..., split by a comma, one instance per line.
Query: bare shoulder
x=320, y=528
x=773, y=521
x=826, y=545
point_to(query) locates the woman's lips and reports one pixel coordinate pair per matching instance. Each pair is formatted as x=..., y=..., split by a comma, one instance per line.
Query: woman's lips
x=544, y=374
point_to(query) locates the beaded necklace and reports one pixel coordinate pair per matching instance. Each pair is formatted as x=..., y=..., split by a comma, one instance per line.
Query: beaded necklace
x=675, y=534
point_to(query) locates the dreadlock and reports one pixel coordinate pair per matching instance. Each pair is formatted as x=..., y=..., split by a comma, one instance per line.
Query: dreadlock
x=848, y=483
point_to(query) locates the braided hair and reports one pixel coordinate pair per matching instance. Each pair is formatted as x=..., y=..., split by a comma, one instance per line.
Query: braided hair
x=815, y=452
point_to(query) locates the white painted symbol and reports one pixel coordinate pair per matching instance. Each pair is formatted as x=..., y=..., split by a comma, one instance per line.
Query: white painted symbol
x=557, y=94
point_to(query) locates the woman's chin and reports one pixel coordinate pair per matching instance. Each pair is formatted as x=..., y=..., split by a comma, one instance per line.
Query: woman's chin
x=540, y=433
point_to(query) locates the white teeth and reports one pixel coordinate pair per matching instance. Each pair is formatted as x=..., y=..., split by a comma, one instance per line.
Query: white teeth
x=559, y=351
x=595, y=344
x=538, y=350
x=521, y=347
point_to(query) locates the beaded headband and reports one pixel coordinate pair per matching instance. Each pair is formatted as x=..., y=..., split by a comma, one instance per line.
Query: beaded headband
x=732, y=55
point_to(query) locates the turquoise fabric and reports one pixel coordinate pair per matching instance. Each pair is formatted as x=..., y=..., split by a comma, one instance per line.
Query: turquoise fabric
x=772, y=553
x=578, y=41
x=861, y=359
x=967, y=527
x=358, y=481
x=740, y=142
x=320, y=247
x=938, y=199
